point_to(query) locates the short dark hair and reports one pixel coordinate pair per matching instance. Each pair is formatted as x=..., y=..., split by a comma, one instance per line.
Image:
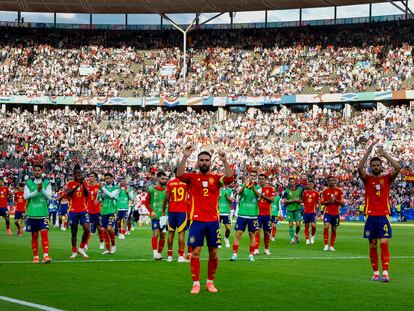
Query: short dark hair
x=21, y=184
x=160, y=174
x=253, y=171
x=262, y=175
x=175, y=170
x=374, y=159
x=77, y=167
x=290, y=178
x=38, y=165
x=204, y=153
x=94, y=174
x=108, y=174
x=330, y=176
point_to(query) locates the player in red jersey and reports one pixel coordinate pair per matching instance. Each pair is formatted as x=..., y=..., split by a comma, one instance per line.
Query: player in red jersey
x=4, y=202
x=312, y=207
x=332, y=201
x=267, y=196
x=94, y=209
x=20, y=211
x=77, y=192
x=377, y=207
x=205, y=192
x=176, y=199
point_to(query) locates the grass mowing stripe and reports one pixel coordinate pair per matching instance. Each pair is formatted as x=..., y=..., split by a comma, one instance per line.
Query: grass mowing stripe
x=205, y=259
x=29, y=304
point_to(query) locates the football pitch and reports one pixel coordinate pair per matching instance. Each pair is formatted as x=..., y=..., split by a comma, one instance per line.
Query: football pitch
x=294, y=277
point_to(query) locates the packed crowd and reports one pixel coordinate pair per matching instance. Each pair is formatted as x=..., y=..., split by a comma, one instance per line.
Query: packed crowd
x=255, y=62
x=282, y=144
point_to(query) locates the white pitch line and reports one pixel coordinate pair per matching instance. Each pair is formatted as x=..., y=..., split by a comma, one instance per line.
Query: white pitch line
x=29, y=304
x=204, y=259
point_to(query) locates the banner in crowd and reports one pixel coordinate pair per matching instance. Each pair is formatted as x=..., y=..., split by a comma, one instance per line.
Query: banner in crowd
x=362, y=218
x=212, y=101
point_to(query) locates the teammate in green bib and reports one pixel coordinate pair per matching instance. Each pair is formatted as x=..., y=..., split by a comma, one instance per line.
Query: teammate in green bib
x=293, y=200
x=108, y=196
x=126, y=195
x=154, y=204
x=247, y=212
x=225, y=202
x=276, y=213
x=38, y=193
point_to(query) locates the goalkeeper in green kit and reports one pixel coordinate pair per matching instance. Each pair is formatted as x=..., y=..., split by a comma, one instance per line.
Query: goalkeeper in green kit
x=293, y=200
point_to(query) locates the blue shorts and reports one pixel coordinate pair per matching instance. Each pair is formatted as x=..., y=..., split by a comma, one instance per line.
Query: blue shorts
x=309, y=217
x=209, y=230
x=225, y=219
x=265, y=223
x=123, y=214
x=241, y=224
x=377, y=227
x=78, y=218
x=95, y=219
x=35, y=225
x=4, y=211
x=155, y=224
x=18, y=215
x=274, y=219
x=334, y=220
x=177, y=221
x=108, y=220
x=63, y=209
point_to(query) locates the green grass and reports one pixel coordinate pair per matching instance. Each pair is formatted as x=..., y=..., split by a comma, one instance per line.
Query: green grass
x=293, y=277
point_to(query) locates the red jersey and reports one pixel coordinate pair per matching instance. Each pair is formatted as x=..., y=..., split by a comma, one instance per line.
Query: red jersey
x=177, y=191
x=20, y=201
x=204, y=194
x=4, y=193
x=310, y=201
x=63, y=197
x=327, y=194
x=265, y=205
x=77, y=203
x=93, y=207
x=377, y=195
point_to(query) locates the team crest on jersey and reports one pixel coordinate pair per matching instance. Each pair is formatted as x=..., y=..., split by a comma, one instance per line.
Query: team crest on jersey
x=192, y=239
x=204, y=183
x=211, y=180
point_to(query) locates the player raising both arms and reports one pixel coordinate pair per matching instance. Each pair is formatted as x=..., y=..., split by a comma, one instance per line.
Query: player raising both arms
x=94, y=208
x=377, y=207
x=332, y=201
x=77, y=192
x=176, y=199
x=154, y=203
x=4, y=202
x=37, y=193
x=267, y=196
x=311, y=209
x=204, y=196
x=20, y=211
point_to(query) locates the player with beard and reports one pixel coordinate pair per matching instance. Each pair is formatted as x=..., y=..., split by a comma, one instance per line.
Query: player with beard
x=377, y=207
x=204, y=196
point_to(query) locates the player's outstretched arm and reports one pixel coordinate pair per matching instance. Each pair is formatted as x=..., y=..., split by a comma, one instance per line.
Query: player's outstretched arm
x=394, y=163
x=361, y=166
x=228, y=172
x=187, y=153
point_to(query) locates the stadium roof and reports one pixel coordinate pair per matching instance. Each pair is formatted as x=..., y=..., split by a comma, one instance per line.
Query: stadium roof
x=165, y=6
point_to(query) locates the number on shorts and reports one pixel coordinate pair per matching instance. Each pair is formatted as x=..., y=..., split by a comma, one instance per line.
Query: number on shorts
x=269, y=224
x=205, y=190
x=255, y=223
x=218, y=236
x=386, y=230
x=46, y=221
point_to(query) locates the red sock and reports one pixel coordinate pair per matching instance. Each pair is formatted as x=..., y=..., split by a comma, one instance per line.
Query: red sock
x=112, y=235
x=161, y=245
x=123, y=231
x=107, y=240
x=7, y=224
x=87, y=239
x=251, y=249
x=74, y=249
x=180, y=252
x=274, y=229
x=313, y=230
x=212, y=268
x=385, y=256
x=65, y=224
x=195, y=269
x=189, y=249
x=169, y=252
x=333, y=238
x=307, y=231
x=129, y=226
x=154, y=243
x=101, y=234
x=82, y=245
x=45, y=241
x=373, y=256
x=235, y=248
x=35, y=244
x=257, y=238
x=266, y=240
x=326, y=235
